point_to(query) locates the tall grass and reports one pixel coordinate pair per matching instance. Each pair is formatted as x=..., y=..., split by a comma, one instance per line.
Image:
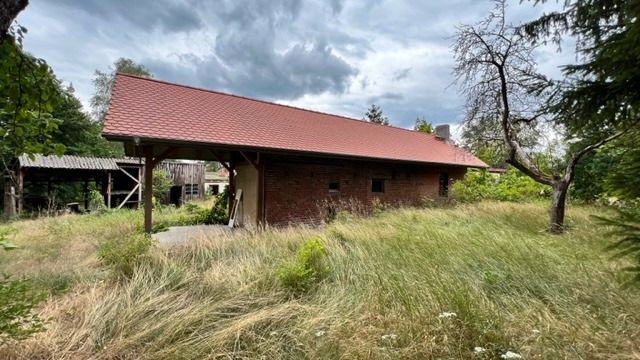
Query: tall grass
x=511, y=286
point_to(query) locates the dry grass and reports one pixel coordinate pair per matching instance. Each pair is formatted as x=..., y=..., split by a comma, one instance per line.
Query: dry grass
x=512, y=286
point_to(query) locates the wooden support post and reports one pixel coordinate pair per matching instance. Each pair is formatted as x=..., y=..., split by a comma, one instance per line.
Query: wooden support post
x=232, y=187
x=148, y=188
x=9, y=200
x=85, y=194
x=260, y=167
x=139, y=187
x=109, y=190
x=20, y=190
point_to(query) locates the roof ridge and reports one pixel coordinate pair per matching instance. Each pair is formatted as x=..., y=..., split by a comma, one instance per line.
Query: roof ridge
x=265, y=102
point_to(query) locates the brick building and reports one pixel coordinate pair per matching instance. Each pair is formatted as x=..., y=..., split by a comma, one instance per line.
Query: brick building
x=286, y=161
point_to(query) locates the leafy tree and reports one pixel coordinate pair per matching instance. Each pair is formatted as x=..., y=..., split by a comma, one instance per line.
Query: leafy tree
x=103, y=82
x=213, y=166
x=78, y=132
x=497, y=73
x=374, y=115
x=29, y=92
x=422, y=125
x=604, y=95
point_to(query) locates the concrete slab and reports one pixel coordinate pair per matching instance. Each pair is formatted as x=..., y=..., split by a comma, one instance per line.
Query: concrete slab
x=181, y=235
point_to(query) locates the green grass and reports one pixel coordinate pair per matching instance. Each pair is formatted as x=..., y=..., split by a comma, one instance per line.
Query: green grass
x=512, y=286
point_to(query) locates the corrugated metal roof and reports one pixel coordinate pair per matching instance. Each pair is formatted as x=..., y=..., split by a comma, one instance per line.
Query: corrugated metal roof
x=71, y=162
x=148, y=108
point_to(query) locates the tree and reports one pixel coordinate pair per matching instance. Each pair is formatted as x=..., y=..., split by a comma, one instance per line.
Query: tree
x=496, y=72
x=422, y=125
x=9, y=9
x=374, y=115
x=103, y=82
x=77, y=131
x=29, y=91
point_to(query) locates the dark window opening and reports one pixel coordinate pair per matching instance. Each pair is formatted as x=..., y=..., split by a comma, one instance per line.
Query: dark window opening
x=214, y=189
x=334, y=186
x=444, y=185
x=377, y=185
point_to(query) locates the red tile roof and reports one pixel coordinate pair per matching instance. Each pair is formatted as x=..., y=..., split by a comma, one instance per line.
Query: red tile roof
x=152, y=109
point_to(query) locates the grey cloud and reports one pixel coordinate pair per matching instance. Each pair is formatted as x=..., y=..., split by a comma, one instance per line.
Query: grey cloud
x=168, y=15
x=401, y=74
x=246, y=60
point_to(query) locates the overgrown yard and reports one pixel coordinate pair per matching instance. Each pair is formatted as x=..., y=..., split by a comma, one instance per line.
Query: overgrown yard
x=473, y=282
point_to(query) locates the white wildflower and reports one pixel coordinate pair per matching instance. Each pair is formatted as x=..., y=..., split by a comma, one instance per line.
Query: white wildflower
x=511, y=355
x=479, y=349
x=320, y=333
x=389, y=337
x=447, y=315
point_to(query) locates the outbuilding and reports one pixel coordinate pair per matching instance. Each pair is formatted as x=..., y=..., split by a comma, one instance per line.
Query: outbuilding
x=283, y=162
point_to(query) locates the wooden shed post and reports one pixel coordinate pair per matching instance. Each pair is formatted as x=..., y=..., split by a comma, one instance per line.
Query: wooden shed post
x=109, y=190
x=232, y=187
x=148, y=188
x=20, y=190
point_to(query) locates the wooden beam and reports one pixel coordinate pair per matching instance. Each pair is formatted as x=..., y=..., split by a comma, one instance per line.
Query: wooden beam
x=163, y=155
x=254, y=163
x=148, y=188
x=219, y=159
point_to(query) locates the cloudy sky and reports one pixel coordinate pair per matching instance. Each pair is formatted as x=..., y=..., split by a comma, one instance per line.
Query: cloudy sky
x=337, y=56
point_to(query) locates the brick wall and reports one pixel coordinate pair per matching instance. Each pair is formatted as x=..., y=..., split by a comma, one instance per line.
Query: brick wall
x=295, y=189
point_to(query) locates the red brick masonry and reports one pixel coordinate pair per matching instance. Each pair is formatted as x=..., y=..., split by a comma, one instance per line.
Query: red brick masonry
x=295, y=188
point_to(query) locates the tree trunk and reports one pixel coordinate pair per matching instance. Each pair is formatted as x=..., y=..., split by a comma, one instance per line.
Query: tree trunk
x=558, y=200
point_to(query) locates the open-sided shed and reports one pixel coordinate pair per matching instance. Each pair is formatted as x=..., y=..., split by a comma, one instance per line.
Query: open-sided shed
x=286, y=160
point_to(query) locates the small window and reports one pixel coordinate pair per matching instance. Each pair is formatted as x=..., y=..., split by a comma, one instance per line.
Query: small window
x=444, y=185
x=377, y=185
x=191, y=189
x=334, y=186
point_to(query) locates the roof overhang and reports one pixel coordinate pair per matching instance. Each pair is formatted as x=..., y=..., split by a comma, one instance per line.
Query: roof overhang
x=192, y=150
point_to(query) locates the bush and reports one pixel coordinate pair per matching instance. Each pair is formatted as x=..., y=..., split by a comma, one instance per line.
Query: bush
x=124, y=254
x=306, y=269
x=161, y=185
x=17, y=300
x=96, y=201
x=510, y=186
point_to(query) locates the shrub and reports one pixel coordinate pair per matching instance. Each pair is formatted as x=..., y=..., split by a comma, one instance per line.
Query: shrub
x=124, y=254
x=301, y=273
x=161, y=185
x=17, y=300
x=626, y=232
x=96, y=201
x=510, y=186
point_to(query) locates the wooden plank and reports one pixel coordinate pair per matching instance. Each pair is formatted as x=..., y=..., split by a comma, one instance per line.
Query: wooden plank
x=135, y=188
x=234, y=209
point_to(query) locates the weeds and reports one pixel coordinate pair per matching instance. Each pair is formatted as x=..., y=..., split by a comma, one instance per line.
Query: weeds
x=306, y=269
x=393, y=282
x=123, y=255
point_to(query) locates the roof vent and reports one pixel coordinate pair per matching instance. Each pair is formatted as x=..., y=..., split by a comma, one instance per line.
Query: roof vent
x=443, y=133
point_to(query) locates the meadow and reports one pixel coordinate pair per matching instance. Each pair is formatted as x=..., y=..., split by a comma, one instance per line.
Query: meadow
x=473, y=281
